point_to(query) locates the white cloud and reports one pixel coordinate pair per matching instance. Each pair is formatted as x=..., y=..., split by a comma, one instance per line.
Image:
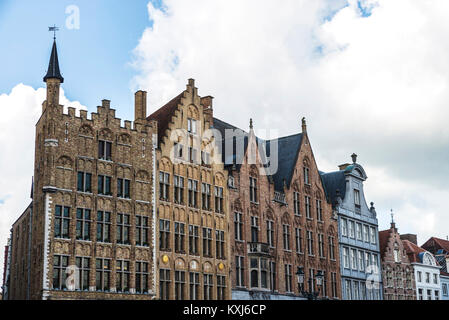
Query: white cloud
x=374, y=82
x=20, y=110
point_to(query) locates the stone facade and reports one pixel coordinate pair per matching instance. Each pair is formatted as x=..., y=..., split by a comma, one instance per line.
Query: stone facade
x=397, y=271
x=193, y=244
x=92, y=206
x=358, y=233
x=269, y=231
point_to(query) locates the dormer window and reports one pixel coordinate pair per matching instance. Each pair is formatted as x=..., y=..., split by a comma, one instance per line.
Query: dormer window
x=357, y=198
x=192, y=126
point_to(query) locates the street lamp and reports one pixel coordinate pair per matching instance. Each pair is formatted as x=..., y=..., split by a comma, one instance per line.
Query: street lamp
x=312, y=295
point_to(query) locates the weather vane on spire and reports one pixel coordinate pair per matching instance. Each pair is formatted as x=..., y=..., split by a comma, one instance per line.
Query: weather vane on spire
x=392, y=216
x=53, y=29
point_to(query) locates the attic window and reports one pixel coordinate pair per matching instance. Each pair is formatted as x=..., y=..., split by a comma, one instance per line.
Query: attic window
x=192, y=126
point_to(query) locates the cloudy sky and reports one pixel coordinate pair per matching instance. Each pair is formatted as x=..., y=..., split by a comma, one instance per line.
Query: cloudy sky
x=371, y=77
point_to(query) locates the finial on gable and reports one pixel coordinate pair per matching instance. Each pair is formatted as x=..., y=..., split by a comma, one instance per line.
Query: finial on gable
x=251, y=123
x=304, y=125
x=354, y=158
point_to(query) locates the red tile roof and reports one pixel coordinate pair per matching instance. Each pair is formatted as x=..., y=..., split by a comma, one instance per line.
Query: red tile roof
x=436, y=242
x=383, y=241
x=164, y=114
x=412, y=250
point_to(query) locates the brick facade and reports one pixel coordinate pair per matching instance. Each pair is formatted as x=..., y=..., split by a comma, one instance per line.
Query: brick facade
x=397, y=270
x=182, y=261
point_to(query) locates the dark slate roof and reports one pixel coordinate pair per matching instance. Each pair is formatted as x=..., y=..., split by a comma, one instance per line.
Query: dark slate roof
x=332, y=182
x=288, y=150
x=53, y=66
x=164, y=114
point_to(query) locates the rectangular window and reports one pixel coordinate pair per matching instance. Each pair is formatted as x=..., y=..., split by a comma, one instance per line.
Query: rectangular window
x=286, y=236
x=104, y=150
x=103, y=226
x=373, y=235
x=367, y=259
x=321, y=245
x=208, y=286
x=351, y=229
x=288, y=278
x=253, y=189
x=179, y=190
x=191, y=125
x=346, y=257
x=193, y=193
x=207, y=242
x=273, y=275
x=306, y=176
x=435, y=278
x=164, y=284
x=270, y=233
x=142, y=277
x=84, y=182
x=319, y=211
x=180, y=282
x=361, y=264
x=179, y=237
x=62, y=222
x=365, y=233
x=205, y=196
x=164, y=185
x=238, y=226
x=239, y=271
x=445, y=291
x=192, y=155
x=344, y=227
x=83, y=223
x=310, y=250
x=164, y=235
x=194, y=285
x=205, y=158
x=296, y=208
x=104, y=185
x=254, y=229
x=103, y=274
x=221, y=287
x=334, y=284
x=427, y=277
x=83, y=265
x=60, y=264
x=298, y=235
x=122, y=274
x=123, y=188
x=142, y=230
x=331, y=240
x=358, y=231
x=194, y=237
x=123, y=227
x=219, y=199
x=177, y=149
x=419, y=276
x=357, y=198
x=308, y=207
x=220, y=244
x=353, y=259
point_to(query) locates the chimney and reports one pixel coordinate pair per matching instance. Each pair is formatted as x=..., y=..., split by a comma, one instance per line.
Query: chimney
x=410, y=237
x=140, y=105
x=343, y=166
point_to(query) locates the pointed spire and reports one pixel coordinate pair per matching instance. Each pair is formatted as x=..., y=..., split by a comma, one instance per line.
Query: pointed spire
x=53, y=66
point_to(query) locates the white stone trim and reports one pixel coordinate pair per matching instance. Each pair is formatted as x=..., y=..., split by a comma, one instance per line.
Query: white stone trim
x=47, y=226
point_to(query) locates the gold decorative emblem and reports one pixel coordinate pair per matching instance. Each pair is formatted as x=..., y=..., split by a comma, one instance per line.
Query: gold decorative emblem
x=164, y=258
x=221, y=266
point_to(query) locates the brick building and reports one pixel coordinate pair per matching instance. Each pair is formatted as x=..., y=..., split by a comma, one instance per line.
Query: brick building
x=193, y=258
x=281, y=219
x=397, y=271
x=91, y=213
